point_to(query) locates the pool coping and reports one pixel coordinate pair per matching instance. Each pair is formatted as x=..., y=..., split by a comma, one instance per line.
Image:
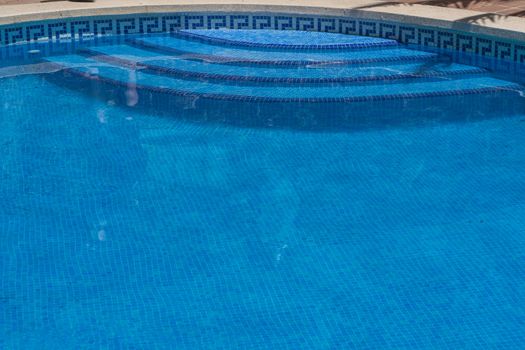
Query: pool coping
x=500, y=26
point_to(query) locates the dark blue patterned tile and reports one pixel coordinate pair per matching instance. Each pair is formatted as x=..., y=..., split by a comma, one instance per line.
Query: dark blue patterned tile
x=35, y=32
x=13, y=35
x=305, y=23
x=348, y=26
x=80, y=28
x=150, y=25
x=327, y=25
x=388, y=30
x=485, y=47
x=262, y=22
x=103, y=27
x=426, y=37
x=217, y=22
x=171, y=23
x=127, y=26
x=407, y=35
x=58, y=30
x=283, y=22
x=194, y=22
x=502, y=50
x=519, y=53
x=240, y=22
x=368, y=28
x=445, y=40
x=464, y=43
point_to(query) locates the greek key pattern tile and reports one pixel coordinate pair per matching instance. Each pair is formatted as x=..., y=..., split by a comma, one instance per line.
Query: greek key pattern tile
x=87, y=28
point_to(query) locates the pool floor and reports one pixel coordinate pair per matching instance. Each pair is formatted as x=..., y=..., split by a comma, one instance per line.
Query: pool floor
x=142, y=227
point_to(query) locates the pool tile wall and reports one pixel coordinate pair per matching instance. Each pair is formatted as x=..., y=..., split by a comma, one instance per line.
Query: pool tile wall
x=61, y=30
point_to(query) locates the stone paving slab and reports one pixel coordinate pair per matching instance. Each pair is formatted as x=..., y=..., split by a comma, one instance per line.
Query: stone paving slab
x=501, y=7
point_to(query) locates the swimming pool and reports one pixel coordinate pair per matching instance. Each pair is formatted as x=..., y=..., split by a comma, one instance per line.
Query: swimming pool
x=263, y=190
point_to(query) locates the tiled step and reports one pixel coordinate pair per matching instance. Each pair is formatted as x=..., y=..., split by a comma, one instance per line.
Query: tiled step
x=213, y=53
x=173, y=65
x=284, y=39
x=123, y=76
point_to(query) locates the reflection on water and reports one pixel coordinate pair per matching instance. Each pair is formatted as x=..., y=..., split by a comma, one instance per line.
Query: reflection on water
x=132, y=96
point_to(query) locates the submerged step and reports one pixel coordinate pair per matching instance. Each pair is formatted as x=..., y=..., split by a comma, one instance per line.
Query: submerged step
x=284, y=39
x=214, y=53
x=173, y=65
x=123, y=76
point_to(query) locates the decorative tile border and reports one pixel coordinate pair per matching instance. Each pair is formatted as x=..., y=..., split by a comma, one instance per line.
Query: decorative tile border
x=80, y=29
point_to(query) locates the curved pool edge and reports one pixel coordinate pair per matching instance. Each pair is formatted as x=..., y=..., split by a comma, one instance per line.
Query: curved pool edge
x=486, y=35
x=505, y=27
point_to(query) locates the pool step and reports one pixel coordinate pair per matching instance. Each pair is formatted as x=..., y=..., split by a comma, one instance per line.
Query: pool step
x=281, y=57
x=196, y=69
x=124, y=76
x=283, y=39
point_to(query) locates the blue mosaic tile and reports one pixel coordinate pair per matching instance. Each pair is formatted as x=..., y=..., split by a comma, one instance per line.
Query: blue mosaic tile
x=127, y=26
x=217, y=22
x=128, y=56
x=62, y=29
x=212, y=53
x=305, y=24
x=262, y=22
x=484, y=47
x=239, y=22
x=103, y=27
x=57, y=31
x=79, y=29
x=408, y=35
x=519, y=53
x=171, y=23
x=283, y=23
x=151, y=25
x=388, y=31
x=502, y=50
x=445, y=40
x=465, y=42
x=251, y=98
x=35, y=32
x=195, y=22
x=347, y=26
x=119, y=74
x=13, y=35
x=426, y=37
x=368, y=28
x=284, y=39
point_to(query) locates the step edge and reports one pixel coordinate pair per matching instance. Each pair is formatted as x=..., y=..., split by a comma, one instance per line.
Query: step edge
x=98, y=56
x=183, y=34
x=455, y=92
x=232, y=60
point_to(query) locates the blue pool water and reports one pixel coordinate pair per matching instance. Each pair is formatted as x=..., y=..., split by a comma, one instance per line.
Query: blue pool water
x=162, y=200
x=181, y=45
x=280, y=38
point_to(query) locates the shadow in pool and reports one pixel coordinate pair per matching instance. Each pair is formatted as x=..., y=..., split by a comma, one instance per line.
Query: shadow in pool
x=312, y=117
